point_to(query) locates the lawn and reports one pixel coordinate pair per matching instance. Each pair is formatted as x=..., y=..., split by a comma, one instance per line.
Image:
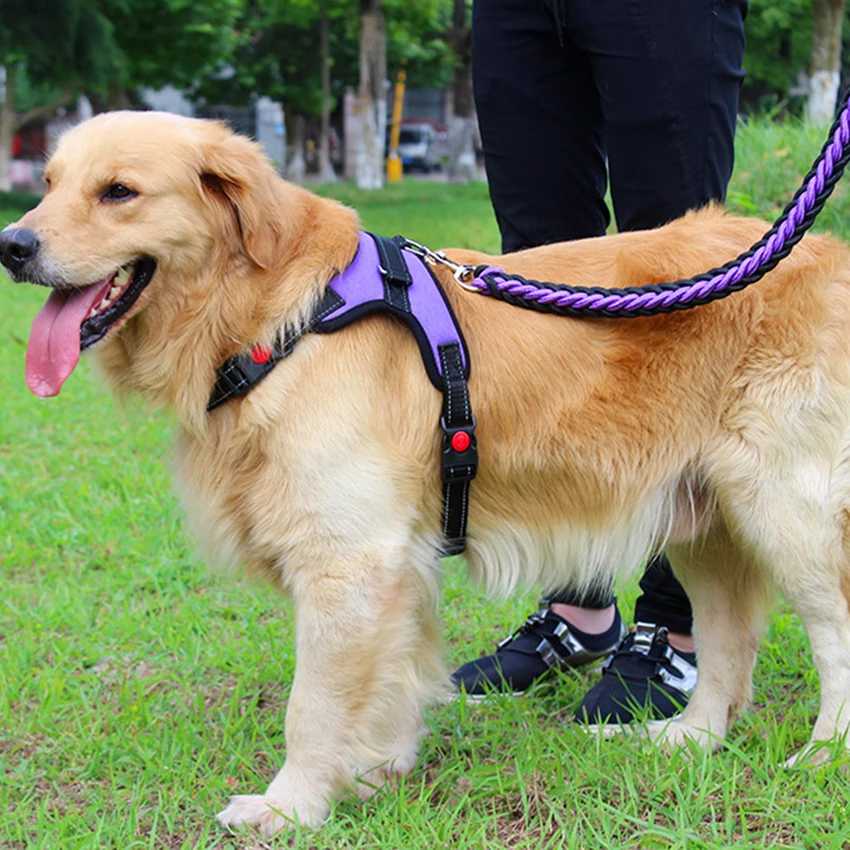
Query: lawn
x=138, y=689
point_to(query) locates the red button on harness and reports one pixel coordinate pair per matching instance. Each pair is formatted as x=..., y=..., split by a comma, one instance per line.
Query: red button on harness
x=460, y=441
x=261, y=354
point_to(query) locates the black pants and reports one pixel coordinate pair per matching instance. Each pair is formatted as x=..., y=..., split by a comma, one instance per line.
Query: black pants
x=662, y=601
x=570, y=93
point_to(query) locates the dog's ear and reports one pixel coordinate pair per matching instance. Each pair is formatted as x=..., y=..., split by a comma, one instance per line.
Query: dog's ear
x=236, y=174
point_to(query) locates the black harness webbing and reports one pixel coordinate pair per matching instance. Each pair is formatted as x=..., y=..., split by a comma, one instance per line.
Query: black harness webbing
x=394, y=270
x=459, y=456
x=459, y=449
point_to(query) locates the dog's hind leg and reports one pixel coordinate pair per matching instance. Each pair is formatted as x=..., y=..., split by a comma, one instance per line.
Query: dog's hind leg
x=820, y=599
x=795, y=524
x=362, y=678
x=728, y=597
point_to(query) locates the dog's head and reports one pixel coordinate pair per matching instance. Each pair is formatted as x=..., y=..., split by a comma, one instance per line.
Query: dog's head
x=136, y=207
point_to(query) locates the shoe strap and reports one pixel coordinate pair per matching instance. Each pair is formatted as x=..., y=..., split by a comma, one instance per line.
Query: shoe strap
x=688, y=680
x=550, y=656
x=645, y=635
x=561, y=635
x=644, y=638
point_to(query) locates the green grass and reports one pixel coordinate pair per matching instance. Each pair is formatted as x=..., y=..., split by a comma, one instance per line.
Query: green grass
x=771, y=161
x=138, y=690
x=442, y=215
x=13, y=203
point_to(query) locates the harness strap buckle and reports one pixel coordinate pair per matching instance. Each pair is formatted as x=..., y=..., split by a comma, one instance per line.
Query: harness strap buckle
x=459, y=455
x=237, y=377
x=241, y=373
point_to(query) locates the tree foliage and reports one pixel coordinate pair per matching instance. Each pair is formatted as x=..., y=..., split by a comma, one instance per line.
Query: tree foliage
x=416, y=35
x=171, y=41
x=779, y=43
x=278, y=54
x=70, y=43
x=278, y=51
x=102, y=45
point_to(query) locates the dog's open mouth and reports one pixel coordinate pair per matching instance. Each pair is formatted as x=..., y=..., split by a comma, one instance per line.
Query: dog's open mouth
x=75, y=319
x=124, y=287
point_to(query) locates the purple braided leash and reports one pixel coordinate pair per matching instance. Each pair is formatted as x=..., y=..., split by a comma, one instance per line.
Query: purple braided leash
x=747, y=268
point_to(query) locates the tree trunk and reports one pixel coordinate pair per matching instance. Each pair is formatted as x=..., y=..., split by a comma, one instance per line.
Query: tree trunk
x=117, y=98
x=825, y=76
x=326, y=171
x=7, y=127
x=296, y=171
x=461, y=164
x=373, y=103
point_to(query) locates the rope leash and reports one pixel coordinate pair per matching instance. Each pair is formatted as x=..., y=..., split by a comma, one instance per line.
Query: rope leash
x=749, y=267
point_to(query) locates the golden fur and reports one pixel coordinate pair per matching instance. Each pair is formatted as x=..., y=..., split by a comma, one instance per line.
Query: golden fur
x=720, y=434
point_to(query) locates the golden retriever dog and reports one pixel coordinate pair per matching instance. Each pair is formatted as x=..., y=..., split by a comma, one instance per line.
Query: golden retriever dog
x=719, y=434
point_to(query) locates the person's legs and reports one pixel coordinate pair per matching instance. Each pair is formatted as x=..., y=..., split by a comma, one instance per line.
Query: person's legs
x=663, y=600
x=541, y=126
x=541, y=131
x=591, y=612
x=666, y=82
x=669, y=76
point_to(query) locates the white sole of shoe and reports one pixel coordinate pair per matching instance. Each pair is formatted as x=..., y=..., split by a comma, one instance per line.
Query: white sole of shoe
x=612, y=730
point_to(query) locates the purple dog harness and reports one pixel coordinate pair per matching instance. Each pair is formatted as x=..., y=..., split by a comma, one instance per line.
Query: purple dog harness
x=385, y=276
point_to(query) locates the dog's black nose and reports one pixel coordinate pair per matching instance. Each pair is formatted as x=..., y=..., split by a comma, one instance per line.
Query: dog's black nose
x=17, y=245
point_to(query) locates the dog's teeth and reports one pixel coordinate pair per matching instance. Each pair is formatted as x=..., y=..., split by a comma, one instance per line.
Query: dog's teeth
x=114, y=292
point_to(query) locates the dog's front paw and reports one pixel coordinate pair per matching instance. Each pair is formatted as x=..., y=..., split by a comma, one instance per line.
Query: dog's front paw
x=267, y=815
x=678, y=734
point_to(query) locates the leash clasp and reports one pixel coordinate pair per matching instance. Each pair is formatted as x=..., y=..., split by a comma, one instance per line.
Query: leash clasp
x=462, y=274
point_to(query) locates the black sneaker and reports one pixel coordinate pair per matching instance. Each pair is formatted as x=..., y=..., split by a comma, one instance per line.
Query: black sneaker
x=542, y=643
x=645, y=676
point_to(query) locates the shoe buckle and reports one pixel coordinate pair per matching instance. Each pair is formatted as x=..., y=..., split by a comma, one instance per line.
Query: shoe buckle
x=644, y=636
x=550, y=656
x=567, y=639
x=688, y=680
x=547, y=653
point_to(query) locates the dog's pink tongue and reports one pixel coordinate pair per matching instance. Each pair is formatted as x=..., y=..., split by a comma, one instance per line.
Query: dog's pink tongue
x=54, y=347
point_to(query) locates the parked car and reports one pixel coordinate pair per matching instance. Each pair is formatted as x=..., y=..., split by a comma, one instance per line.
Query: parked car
x=419, y=147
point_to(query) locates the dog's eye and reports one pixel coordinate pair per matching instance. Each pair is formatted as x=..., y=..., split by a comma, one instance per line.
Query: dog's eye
x=118, y=192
